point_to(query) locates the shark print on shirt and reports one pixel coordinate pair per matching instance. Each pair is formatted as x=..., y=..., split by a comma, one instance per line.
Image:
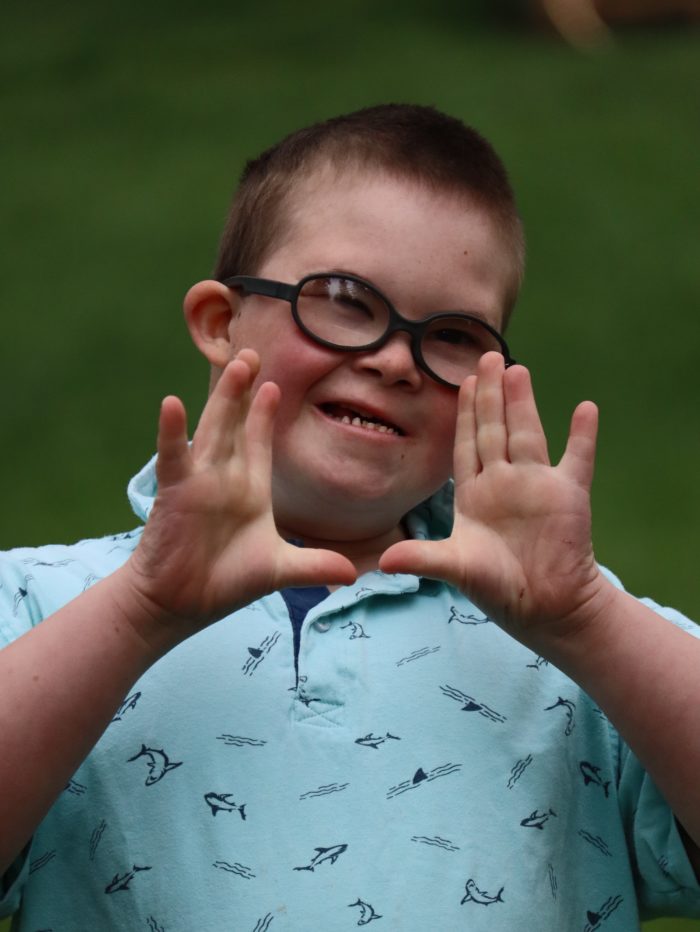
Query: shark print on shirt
x=258, y=654
x=474, y=895
x=598, y=917
x=222, y=802
x=471, y=705
x=420, y=777
x=367, y=912
x=157, y=761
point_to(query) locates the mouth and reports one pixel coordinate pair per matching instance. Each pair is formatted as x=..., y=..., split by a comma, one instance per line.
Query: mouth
x=359, y=418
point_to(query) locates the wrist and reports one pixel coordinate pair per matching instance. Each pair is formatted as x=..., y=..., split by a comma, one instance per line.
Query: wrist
x=588, y=630
x=586, y=640
x=154, y=630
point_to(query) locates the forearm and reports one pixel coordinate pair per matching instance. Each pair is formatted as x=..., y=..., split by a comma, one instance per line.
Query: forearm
x=61, y=684
x=644, y=673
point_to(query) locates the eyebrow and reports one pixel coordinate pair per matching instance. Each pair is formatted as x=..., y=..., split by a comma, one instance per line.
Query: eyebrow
x=458, y=312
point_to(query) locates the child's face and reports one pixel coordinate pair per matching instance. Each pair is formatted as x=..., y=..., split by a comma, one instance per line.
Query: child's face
x=427, y=252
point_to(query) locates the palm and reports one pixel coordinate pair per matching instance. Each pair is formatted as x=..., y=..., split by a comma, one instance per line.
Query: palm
x=210, y=544
x=520, y=546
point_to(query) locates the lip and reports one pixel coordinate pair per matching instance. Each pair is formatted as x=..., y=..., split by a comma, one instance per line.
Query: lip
x=365, y=411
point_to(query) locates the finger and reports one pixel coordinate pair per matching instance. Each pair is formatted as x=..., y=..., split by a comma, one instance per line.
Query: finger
x=251, y=359
x=466, y=459
x=491, y=437
x=313, y=567
x=578, y=460
x=221, y=424
x=527, y=442
x=421, y=558
x=174, y=459
x=259, y=430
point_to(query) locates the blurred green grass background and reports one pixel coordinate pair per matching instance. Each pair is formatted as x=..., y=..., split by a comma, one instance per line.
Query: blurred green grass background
x=124, y=129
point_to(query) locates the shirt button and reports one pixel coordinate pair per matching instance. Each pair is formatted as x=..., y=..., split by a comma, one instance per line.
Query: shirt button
x=322, y=626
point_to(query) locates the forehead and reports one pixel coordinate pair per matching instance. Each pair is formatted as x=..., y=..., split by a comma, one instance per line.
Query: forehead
x=429, y=248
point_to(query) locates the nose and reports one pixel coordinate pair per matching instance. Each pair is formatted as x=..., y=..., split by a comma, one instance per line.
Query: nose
x=392, y=362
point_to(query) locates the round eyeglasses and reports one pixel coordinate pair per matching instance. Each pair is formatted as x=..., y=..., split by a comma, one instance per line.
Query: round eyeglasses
x=345, y=312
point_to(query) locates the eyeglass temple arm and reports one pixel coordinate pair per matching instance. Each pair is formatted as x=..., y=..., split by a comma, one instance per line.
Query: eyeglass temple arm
x=262, y=286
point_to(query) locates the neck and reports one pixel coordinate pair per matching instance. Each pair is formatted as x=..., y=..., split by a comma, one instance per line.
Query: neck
x=364, y=553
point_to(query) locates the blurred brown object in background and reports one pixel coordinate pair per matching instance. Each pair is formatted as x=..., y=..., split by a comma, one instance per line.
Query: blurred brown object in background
x=587, y=23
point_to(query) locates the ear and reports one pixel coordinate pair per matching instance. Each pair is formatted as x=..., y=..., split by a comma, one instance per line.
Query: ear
x=209, y=309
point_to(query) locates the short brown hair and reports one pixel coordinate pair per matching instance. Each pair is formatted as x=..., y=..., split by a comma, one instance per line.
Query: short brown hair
x=407, y=141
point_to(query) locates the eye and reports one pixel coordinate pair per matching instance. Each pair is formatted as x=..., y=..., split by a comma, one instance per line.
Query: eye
x=453, y=336
x=352, y=297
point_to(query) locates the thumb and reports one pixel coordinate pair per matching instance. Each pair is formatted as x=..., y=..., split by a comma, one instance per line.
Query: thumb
x=314, y=567
x=420, y=557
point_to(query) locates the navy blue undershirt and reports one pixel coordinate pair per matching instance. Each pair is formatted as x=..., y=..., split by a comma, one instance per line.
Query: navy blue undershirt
x=299, y=603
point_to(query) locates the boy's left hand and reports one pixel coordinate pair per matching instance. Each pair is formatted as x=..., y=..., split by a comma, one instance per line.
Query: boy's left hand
x=520, y=547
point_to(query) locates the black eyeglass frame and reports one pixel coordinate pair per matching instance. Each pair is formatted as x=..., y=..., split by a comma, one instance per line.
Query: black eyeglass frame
x=397, y=322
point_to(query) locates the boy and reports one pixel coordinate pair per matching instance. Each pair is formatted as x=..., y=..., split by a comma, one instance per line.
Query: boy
x=434, y=741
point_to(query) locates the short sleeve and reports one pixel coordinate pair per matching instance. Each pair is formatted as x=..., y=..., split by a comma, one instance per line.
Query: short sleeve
x=666, y=881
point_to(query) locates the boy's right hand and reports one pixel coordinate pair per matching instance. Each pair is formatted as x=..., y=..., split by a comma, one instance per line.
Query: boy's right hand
x=210, y=544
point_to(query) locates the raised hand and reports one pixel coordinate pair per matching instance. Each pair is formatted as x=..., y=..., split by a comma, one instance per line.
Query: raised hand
x=210, y=544
x=521, y=543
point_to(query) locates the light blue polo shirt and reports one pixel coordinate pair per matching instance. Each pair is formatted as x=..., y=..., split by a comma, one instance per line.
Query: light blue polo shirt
x=421, y=771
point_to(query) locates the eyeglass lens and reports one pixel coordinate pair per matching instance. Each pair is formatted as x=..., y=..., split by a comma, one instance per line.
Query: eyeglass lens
x=350, y=315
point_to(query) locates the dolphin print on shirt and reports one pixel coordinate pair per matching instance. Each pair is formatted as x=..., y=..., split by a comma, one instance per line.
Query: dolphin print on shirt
x=122, y=881
x=570, y=707
x=356, y=630
x=222, y=802
x=367, y=912
x=456, y=615
x=591, y=774
x=322, y=856
x=537, y=819
x=474, y=895
x=374, y=741
x=158, y=763
x=129, y=704
x=32, y=561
